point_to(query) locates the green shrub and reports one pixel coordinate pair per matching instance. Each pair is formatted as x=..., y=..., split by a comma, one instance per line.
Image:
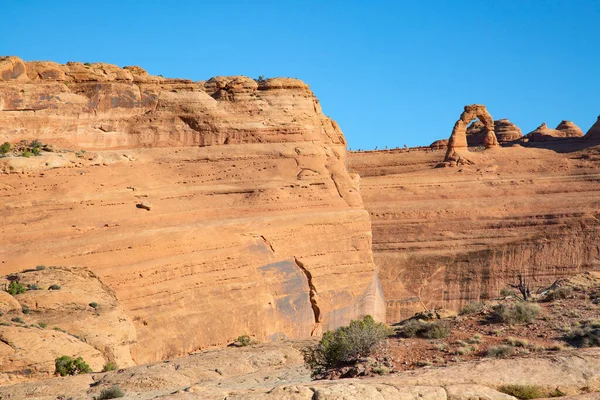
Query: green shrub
x=42, y=324
x=36, y=144
x=93, y=304
x=5, y=148
x=559, y=293
x=516, y=342
x=109, y=366
x=505, y=292
x=471, y=308
x=500, y=351
x=110, y=393
x=522, y=312
x=36, y=152
x=54, y=287
x=427, y=330
x=65, y=365
x=346, y=344
x=17, y=320
x=33, y=286
x=40, y=267
x=25, y=309
x=16, y=288
x=587, y=336
x=244, y=340
x=26, y=154
x=523, y=392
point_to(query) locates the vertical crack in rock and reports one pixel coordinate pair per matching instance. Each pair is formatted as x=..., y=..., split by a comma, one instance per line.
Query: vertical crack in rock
x=312, y=296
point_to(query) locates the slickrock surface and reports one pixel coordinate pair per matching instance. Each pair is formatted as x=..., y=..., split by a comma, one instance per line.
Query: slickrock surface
x=276, y=372
x=444, y=237
x=80, y=317
x=457, y=144
x=227, y=209
x=569, y=129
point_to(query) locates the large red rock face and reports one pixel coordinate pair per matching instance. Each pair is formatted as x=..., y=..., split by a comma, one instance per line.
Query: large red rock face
x=255, y=228
x=444, y=237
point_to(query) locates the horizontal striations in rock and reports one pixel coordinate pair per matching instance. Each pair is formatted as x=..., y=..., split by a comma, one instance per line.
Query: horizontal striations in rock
x=444, y=237
x=252, y=224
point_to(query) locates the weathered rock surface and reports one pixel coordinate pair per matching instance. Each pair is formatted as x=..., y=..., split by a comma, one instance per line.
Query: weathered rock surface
x=565, y=129
x=457, y=144
x=256, y=227
x=594, y=132
x=445, y=237
x=275, y=372
x=506, y=131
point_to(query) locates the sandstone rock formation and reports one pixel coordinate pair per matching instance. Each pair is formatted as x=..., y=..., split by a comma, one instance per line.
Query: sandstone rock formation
x=256, y=227
x=439, y=144
x=275, y=372
x=594, y=132
x=444, y=238
x=457, y=143
x=564, y=130
x=506, y=131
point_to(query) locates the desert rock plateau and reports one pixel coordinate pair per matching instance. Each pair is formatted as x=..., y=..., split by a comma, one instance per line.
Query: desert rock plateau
x=151, y=222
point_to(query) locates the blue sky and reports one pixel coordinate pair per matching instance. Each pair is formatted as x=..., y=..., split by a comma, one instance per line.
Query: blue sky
x=390, y=72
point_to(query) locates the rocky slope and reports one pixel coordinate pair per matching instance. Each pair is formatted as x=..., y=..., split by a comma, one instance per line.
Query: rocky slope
x=446, y=236
x=211, y=209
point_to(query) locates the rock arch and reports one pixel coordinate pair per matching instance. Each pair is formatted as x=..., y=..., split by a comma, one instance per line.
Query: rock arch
x=458, y=140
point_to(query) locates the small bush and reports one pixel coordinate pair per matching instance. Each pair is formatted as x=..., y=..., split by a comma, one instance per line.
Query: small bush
x=17, y=320
x=93, y=304
x=587, y=336
x=40, y=267
x=25, y=309
x=475, y=339
x=36, y=144
x=471, y=308
x=346, y=344
x=54, y=287
x=427, y=330
x=519, y=313
x=244, y=340
x=42, y=325
x=16, y=288
x=523, y=392
x=33, y=286
x=110, y=393
x=65, y=365
x=5, y=148
x=36, y=152
x=500, y=351
x=505, y=292
x=559, y=293
x=26, y=154
x=109, y=366
x=516, y=342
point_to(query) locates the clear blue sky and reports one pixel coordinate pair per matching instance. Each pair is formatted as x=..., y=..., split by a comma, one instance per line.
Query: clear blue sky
x=390, y=72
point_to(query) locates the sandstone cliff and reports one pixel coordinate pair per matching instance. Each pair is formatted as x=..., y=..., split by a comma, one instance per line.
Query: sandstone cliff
x=445, y=237
x=255, y=226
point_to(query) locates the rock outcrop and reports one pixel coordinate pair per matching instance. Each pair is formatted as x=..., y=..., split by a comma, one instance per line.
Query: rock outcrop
x=594, y=132
x=445, y=237
x=565, y=129
x=457, y=143
x=506, y=131
x=254, y=217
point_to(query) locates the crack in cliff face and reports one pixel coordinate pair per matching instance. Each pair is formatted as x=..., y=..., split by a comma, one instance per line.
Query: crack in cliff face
x=312, y=296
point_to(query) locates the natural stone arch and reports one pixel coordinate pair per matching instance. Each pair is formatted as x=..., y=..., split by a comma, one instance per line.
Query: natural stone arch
x=458, y=140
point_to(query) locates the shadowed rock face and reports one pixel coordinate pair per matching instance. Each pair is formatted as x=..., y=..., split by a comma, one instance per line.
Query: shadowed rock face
x=594, y=132
x=255, y=225
x=458, y=140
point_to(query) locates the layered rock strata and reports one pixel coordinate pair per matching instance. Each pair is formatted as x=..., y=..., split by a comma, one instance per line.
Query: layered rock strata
x=566, y=129
x=254, y=227
x=446, y=237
